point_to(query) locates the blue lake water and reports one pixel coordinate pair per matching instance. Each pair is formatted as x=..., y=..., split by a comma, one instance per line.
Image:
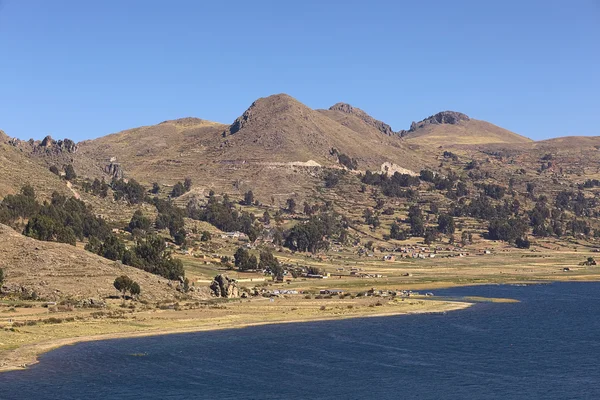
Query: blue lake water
x=545, y=347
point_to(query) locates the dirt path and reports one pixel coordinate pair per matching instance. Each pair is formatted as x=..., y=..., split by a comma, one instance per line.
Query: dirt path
x=75, y=194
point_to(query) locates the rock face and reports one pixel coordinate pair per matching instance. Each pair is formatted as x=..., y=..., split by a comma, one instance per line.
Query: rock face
x=46, y=146
x=444, y=117
x=114, y=169
x=366, y=118
x=223, y=286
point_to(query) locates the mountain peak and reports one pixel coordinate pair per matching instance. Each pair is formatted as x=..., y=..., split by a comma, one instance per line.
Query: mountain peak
x=366, y=118
x=264, y=107
x=443, y=117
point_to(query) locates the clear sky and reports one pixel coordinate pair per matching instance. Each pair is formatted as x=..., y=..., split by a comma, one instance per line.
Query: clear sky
x=83, y=69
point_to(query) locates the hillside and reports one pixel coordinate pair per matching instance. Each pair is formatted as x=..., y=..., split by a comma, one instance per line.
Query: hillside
x=278, y=139
x=572, y=142
x=17, y=168
x=356, y=119
x=449, y=127
x=57, y=271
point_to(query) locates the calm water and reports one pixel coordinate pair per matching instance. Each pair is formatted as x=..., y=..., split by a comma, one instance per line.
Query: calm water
x=546, y=347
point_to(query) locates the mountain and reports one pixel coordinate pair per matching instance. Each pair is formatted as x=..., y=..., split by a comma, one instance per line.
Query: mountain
x=276, y=140
x=450, y=127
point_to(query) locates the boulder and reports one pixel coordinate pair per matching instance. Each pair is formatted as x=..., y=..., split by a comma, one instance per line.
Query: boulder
x=223, y=286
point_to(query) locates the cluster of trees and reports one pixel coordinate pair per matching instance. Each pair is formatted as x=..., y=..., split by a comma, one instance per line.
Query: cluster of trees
x=248, y=198
x=494, y=191
x=170, y=217
x=393, y=186
x=344, y=159
x=1, y=279
x=125, y=284
x=130, y=190
x=181, y=188
x=69, y=171
x=576, y=202
x=226, y=217
x=590, y=183
x=97, y=187
x=313, y=234
x=331, y=178
x=508, y=230
x=245, y=261
x=18, y=206
x=63, y=219
x=149, y=254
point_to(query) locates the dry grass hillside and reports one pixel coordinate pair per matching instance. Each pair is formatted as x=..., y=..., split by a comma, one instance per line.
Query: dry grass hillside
x=16, y=169
x=57, y=271
x=464, y=132
x=277, y=140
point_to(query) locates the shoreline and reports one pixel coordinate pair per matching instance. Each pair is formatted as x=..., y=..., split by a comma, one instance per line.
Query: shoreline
x=27, y=355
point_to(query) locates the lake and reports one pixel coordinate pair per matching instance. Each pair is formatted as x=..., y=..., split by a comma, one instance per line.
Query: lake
x=547, y=346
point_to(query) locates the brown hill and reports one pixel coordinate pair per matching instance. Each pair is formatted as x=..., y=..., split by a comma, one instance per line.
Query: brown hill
x=57, y=271
x=17, y=168
x=277, y=140
x=570, y=142
x=449, y=127
x=280, y=128
x=341, y=112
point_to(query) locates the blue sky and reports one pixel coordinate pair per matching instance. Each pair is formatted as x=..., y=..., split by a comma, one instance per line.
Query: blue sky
x=83, y=69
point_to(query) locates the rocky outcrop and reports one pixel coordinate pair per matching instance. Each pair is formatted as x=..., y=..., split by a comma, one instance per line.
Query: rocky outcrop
x=240, y=121
x=366, y=118
x=45, y=146
x=444, y=117
x=223, y=286
x=114, y=170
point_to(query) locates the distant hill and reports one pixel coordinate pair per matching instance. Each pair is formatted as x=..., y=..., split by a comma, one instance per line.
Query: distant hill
x=570, y=142
x=449, y=127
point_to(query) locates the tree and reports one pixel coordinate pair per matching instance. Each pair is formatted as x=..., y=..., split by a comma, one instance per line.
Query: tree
x=178, y=190
x=135, y=289
x=206, y=236
x=123, y=284
x=522, y=243
x=155, y=188
x=291, y=205
x=397, y=233
x=446, y=224
x=307, y=209
x=241, y=257
x=331, y=178
x=112, y=248
x=70, y=172
x=415, y=218
x=248, y=198
x=187, y=184
x=266, y=218
x=179, y=237
x=54, y=170
x=139, y=221
x=430, y=236
x=1, y=279
x=28, y=191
